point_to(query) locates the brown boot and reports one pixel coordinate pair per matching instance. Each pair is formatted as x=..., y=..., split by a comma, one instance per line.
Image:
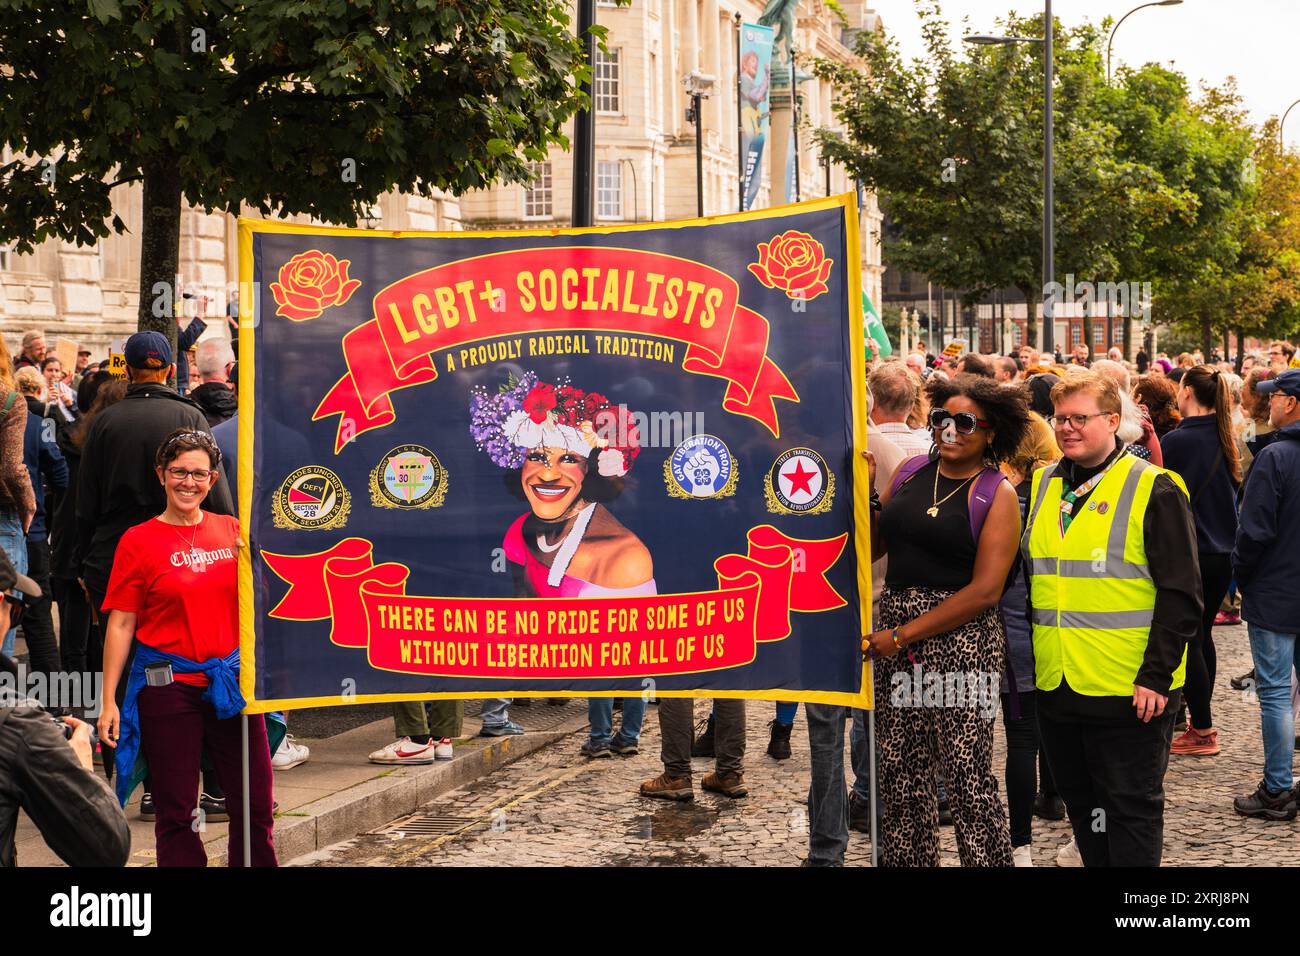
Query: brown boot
x=728, y=784
x=665, y=787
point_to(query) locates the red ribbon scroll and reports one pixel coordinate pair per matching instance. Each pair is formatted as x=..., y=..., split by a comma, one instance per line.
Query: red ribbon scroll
x=645, y=636
x=590, y=289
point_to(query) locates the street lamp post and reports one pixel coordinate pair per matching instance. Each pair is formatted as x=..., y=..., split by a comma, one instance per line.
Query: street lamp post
x=636, y=198
x=584, y=124
x=698, y=85
x=1282, y=125
x=1049, y=222
x=1111, y=38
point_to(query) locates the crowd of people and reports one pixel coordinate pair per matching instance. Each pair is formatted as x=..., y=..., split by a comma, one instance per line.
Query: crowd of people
x=1052, y=540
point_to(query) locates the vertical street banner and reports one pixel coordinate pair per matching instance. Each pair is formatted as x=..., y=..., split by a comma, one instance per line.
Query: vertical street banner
x=755, y=86
x=578, y=462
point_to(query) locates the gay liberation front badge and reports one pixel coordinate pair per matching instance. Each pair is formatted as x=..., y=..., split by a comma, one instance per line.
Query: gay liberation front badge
x=701, y=467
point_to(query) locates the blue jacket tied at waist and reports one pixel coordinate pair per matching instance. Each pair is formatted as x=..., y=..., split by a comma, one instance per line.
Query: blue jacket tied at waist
x=222, y=693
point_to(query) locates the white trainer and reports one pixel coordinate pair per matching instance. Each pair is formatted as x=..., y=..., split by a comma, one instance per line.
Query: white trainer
x=1069, y=855
x=1022, y=855
x=290, y=754
x=405, y=752
x=442, y=748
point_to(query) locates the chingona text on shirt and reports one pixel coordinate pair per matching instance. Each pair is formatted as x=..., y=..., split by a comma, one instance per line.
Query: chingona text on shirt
x=199, y=556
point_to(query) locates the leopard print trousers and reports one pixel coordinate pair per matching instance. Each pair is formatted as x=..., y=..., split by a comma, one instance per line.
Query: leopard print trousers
x=935, y=708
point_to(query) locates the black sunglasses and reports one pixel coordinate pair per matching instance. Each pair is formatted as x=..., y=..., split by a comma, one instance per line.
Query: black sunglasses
x=965, y=422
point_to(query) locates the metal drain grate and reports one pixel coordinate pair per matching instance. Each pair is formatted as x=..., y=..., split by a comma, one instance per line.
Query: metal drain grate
x=424, y=824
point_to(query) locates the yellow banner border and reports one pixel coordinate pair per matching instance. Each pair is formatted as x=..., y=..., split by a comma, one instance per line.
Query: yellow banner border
x=248, y=228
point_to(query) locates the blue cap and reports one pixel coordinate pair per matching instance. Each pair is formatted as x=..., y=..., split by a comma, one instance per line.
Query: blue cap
x=1288, y=383
x=149, y=350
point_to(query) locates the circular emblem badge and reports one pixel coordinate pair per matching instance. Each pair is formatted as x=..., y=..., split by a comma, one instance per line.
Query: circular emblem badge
x=311, y=498
x=701, y=467
x=409, y=476
x=799, y=483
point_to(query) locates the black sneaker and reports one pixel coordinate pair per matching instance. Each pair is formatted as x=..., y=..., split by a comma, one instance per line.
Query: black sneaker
x=703, y=746
x=147, y=811
x=623, y=746
x=1266, y=804
x=945, y=814
x=1049, y=807
x=214, y=808
x=1239, y=683
x=778, y=748
x=859, y=813
x=594, y=749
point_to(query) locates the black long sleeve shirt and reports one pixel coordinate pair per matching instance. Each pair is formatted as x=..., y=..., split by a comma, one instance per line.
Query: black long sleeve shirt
x=1170, y=538
x=73, y=808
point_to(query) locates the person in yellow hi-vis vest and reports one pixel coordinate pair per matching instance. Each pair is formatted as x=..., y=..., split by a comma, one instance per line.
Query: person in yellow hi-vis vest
x=1114, y=594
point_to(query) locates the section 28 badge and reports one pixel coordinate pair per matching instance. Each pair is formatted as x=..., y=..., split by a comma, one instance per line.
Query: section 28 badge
x=701, y=467
x=800, y=483
x=312, y=498
x=409, y=476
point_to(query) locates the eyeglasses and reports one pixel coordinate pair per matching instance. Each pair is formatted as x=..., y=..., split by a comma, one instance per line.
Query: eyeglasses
x=1077, y=421
x=965, y=422
x=198, y=474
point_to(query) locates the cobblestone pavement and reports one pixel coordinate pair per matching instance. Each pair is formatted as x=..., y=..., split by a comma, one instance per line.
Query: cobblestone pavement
x=558, y=808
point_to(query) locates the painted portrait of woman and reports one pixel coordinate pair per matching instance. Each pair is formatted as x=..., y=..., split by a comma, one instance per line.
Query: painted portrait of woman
x=566, y=453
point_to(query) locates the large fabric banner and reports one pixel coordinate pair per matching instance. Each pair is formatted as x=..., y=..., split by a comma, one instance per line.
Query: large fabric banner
x=562, y=463
x=755, y=87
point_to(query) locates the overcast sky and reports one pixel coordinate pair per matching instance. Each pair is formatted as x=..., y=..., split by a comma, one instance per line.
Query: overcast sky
x=1257, y=41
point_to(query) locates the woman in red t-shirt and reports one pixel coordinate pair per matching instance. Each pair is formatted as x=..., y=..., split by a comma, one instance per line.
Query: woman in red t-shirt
x=173, y=588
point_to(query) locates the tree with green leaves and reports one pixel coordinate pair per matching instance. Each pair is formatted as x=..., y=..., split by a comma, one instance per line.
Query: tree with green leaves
x=1248, y=283
x=954, y=146
x=313, y=107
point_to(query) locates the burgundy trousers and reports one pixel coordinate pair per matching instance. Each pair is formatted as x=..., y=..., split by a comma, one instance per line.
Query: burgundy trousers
x=175, y=724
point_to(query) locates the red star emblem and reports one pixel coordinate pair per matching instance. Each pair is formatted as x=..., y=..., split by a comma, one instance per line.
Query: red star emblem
x=799, y=479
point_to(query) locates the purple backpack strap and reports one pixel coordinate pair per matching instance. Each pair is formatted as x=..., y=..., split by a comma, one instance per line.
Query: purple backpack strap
x=981, y=499
x=906, y=470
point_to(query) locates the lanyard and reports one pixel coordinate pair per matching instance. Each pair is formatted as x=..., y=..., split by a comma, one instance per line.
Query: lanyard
x=1070, y=497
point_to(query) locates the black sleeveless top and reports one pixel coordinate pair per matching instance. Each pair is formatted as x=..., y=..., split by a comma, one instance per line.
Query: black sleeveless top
x=926, y=552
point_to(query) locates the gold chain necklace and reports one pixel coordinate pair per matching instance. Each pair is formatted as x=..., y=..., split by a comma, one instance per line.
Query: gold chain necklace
x=933, y=510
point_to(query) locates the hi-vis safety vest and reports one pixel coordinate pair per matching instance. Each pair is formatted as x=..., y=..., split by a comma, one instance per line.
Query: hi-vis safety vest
x=1090, y=589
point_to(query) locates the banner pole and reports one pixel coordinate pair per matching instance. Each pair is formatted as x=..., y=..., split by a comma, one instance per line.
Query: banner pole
x=740, y=125
x=871, y=776
x=248, y=810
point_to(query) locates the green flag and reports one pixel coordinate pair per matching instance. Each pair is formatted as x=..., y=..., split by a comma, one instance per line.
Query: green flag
x=874, y=328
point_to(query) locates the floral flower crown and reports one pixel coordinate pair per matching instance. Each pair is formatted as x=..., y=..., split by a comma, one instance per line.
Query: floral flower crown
x=525, y=414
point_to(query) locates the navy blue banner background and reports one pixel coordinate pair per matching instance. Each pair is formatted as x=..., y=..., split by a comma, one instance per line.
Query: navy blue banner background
x=453, y=549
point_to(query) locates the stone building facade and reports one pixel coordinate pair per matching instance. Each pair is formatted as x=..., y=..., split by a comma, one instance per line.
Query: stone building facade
x=645, y=154
x=645, y=147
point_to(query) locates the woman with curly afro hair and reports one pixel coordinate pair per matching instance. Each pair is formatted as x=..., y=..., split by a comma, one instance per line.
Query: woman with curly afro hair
x=938, y=620
x=1159, y=396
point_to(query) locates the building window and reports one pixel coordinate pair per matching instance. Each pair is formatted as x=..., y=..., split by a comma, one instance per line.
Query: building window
x=606, y=3
x=537, y=195
x=606, y=81
x=6, y=260
x=609, y=190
